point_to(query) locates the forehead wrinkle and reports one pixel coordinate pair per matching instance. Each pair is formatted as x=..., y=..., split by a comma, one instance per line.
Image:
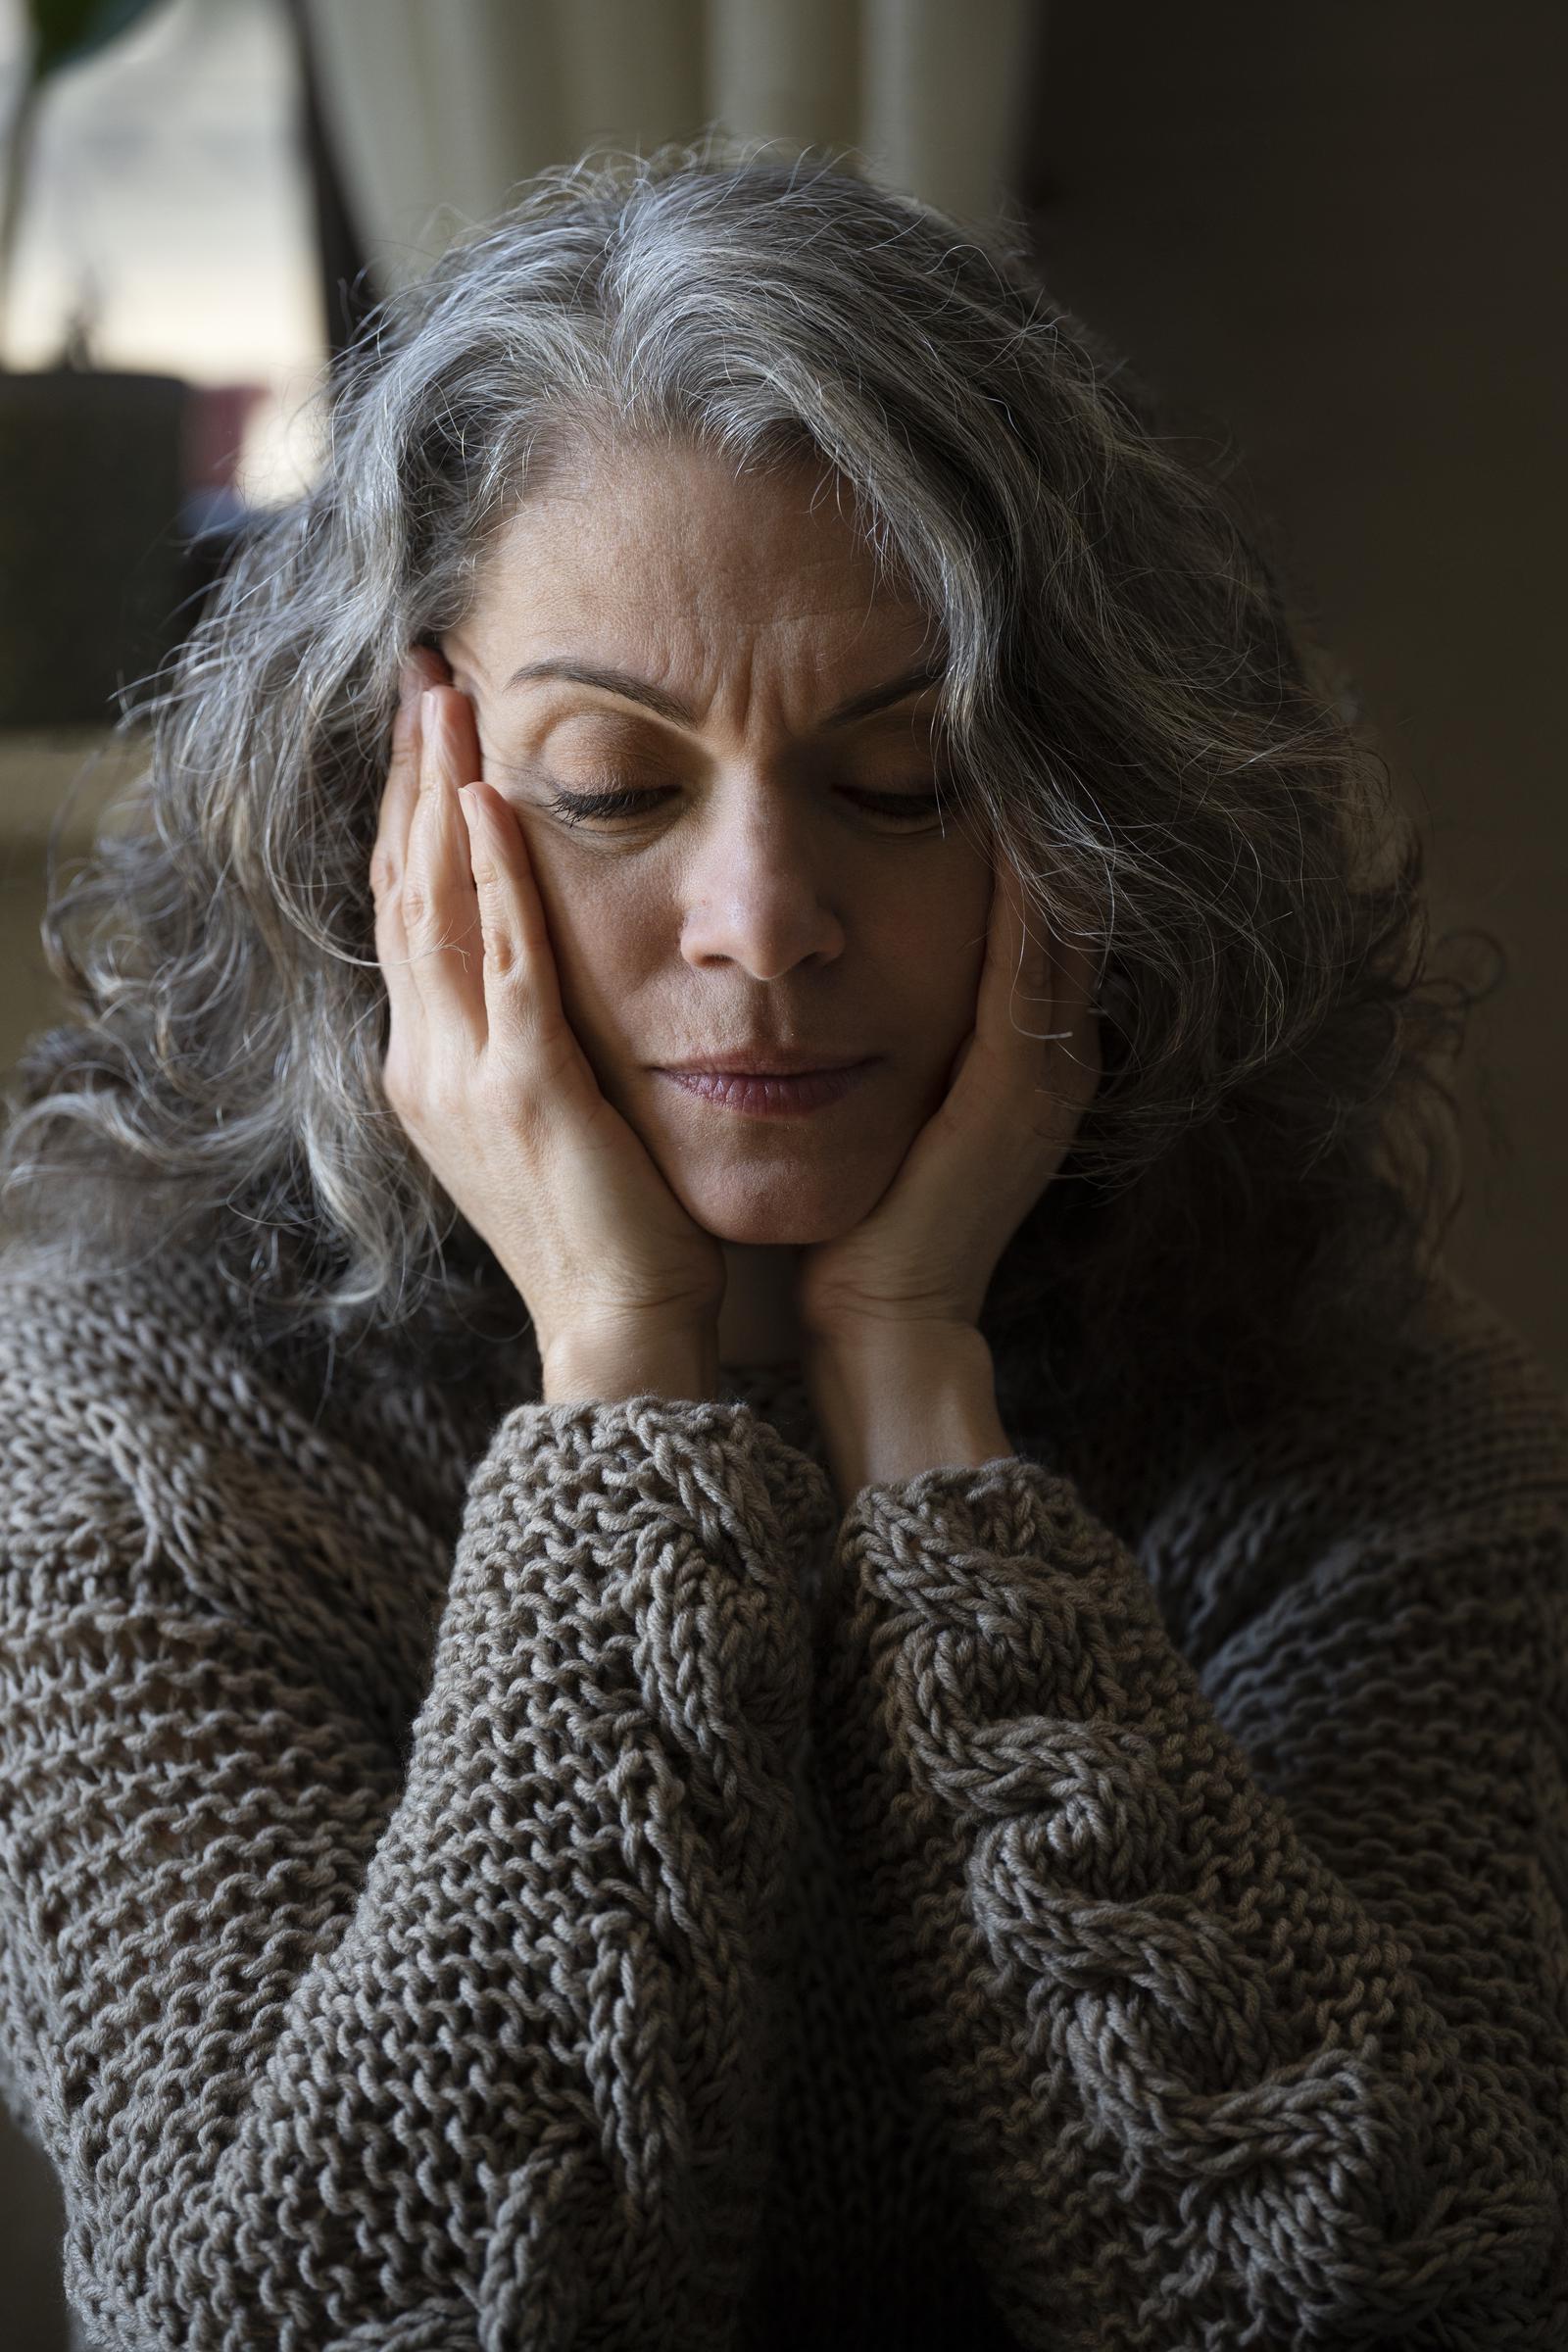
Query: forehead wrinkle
x=608, y=680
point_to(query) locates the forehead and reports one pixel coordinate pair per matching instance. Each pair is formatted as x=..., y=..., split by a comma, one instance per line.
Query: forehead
x=672, y=538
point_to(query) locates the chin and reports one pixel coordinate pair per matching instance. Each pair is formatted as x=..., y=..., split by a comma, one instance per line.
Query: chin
x=784, y=1210
x=773, y=1233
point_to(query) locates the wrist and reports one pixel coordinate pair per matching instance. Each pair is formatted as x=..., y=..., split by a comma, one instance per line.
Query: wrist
x=894, y=1399
x=605, y=1367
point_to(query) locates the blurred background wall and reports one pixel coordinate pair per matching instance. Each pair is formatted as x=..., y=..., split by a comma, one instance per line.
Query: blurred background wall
x=1332, y=233
x=483, y=91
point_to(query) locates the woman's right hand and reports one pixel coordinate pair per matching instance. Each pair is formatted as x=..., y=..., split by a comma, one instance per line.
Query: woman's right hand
x=490, y=1081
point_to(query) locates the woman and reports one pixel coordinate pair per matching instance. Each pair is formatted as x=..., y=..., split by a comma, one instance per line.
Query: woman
x=920, y=1708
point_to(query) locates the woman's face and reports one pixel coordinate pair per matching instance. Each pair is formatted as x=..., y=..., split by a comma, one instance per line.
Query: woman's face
x=753, y=900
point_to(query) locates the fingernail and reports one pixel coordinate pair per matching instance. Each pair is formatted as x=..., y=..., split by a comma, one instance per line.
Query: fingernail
x=408, y=684
x=429, y=710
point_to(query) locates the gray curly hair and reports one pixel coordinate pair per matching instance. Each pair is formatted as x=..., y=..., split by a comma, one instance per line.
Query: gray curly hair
x=1134, y=706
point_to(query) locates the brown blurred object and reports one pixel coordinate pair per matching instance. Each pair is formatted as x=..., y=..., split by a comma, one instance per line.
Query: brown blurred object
x=90, y=570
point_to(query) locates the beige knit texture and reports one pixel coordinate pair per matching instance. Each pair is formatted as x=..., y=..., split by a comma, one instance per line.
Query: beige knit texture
x=480, y=1874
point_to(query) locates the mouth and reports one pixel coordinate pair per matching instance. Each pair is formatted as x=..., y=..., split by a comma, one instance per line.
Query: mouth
x=761, y=1093
x=778, y=1064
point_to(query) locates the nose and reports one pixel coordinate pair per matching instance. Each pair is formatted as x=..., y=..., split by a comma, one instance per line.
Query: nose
x=763, y=888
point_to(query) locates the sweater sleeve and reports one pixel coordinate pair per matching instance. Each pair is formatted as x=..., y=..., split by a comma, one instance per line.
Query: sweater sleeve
x=1242, y=1996
x=463, y=2046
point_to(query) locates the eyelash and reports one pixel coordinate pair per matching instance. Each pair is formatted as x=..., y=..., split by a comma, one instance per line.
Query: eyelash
x=902, y=806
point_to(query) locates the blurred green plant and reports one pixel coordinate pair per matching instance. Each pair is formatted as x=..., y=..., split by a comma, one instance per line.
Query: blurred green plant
x=56, y=33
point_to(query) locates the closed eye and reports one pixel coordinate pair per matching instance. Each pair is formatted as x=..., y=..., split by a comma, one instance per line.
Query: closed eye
x=903, y=808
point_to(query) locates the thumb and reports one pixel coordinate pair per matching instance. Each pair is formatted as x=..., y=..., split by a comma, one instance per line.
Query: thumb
x=958, y=1061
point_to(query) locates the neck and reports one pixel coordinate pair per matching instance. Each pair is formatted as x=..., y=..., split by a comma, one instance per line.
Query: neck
x=757, y=1323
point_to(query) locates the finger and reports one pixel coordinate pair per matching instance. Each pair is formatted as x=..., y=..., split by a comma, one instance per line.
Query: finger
x=985, y=1065
x=421, y=666
x=398, y=791
x=1015, y=1005
x=428, y=665
x=388, y=858
x=522, y=982
x=441, y=913
x=1075, y=975
x=1076, y=980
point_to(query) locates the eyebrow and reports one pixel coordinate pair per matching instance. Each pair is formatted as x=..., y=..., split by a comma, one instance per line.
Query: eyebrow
x=638, y=690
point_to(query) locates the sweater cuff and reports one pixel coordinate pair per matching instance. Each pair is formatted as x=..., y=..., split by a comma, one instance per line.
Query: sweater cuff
x=716, y=1465
x=1011, y=1508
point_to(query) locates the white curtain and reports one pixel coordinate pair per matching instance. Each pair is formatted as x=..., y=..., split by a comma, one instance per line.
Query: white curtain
x=438, y=107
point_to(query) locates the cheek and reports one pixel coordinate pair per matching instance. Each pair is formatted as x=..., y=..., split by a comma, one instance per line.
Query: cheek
x=602, y=934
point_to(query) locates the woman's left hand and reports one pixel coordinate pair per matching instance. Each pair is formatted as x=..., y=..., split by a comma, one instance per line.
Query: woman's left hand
x=1018, y=1087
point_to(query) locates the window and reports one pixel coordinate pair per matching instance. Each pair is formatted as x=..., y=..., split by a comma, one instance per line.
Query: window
x=168, y=227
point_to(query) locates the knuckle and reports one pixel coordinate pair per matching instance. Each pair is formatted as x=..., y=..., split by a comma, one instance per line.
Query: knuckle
x=501, y=956
x=401, y=768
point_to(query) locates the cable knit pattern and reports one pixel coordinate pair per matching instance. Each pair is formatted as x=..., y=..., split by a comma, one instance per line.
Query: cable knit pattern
x=480, y=1874
x=1246, y=1997
x=339, y=2044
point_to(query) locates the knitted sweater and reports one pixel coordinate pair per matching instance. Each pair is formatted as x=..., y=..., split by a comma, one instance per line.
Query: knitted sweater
x=476, y=1873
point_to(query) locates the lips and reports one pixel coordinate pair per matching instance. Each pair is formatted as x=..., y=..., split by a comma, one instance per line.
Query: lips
x=769, y=1096
x=769, y=1065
